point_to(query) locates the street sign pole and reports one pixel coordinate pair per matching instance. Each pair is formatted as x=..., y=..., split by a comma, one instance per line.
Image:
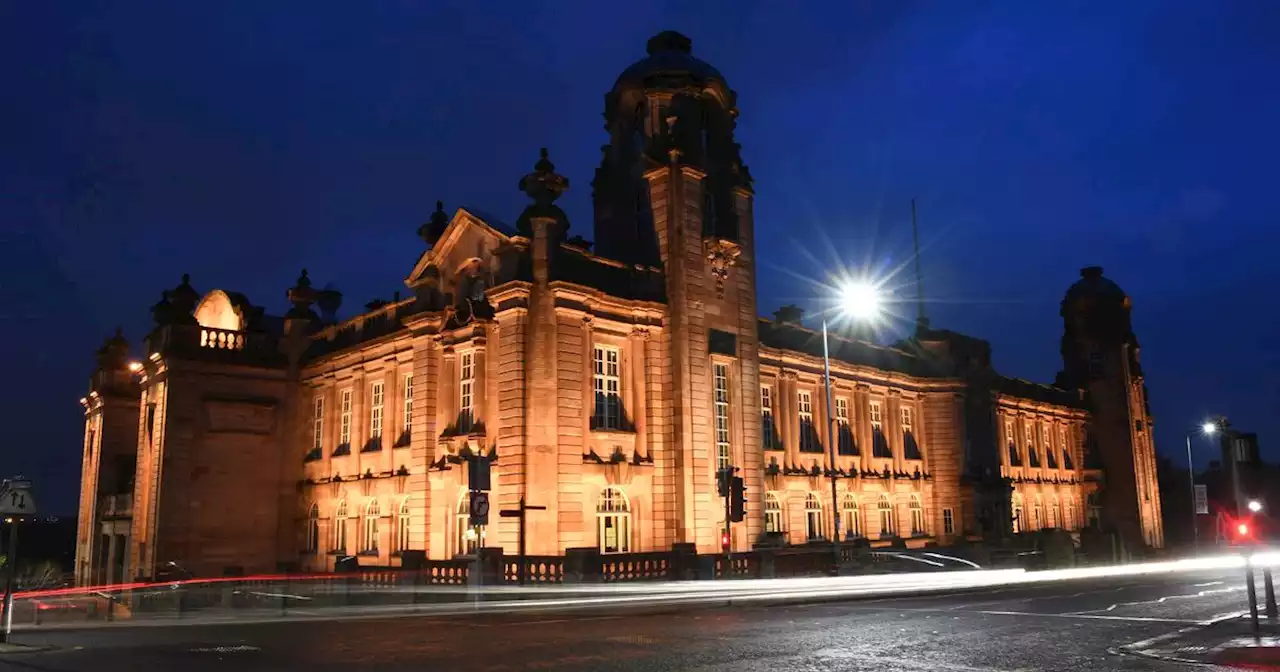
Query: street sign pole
x=10, y=563
x=15, y=500
x=522, y=559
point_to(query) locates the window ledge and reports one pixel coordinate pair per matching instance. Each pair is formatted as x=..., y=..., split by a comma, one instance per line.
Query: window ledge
x=373, y=553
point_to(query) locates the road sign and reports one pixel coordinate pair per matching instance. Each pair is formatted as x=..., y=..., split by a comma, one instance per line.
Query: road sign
x=1202, y=499
x=479, y=508
x=17, y=501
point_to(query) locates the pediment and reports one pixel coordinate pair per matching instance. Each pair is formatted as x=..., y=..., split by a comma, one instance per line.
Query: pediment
x=468, y=236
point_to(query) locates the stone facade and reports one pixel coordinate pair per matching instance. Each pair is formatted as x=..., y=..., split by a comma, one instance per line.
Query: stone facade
x=607, y=386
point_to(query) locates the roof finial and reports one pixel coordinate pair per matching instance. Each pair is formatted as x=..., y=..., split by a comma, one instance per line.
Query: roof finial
x=434, y=228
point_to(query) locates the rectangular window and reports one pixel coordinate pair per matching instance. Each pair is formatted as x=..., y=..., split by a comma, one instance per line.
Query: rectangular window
x=1015, y=459
x=907, y=418
x=844, y=433
x=406, y=402
x=317, y=425
x=608, y=387
x=1033, y=455
x=466, y=391
x=808, y=443
x=876, y=419
x=767, y=430
x=375, y=412
x=948, y=522
x=879, y=443
x=344, y=434
x=721, y=375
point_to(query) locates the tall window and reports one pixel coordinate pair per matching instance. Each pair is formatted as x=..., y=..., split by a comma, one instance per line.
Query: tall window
x=813, y=518
x=344, y=427
x=1050, y=454
x=1037, y=513
x=340, y=527
x=406, y=404
x=885, y=510
x=1054, y=513
x=402, y=526
x=917, y=517
x=313, y=529
x=369, y=531
x=466, y=391
x=1069, y=514
x=317, y=425
x=772, y=513
x=613, y=521
x=1033, y=455
x=1019, y=524
x=948, y=522
x=721, y=375
x=1015, y=460
x=910, y=448
x=850, y=519
x=375, y=412
x=767, y=430
x=808, y=442
x=1067, y=462
x=844, y=433
x=608, y=386
x=879, y=444
x=466, y=539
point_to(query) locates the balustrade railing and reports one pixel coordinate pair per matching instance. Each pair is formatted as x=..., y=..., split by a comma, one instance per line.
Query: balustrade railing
x=221, y=339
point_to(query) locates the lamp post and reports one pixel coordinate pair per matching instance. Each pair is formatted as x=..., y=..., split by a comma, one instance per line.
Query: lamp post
x=860, y=301
x=1208, y=429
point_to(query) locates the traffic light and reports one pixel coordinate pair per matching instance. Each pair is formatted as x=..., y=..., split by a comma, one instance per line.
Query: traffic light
x=478, y=473
x=737, y=499
x=724, y=540
x=1242, y=530
x=722, y=481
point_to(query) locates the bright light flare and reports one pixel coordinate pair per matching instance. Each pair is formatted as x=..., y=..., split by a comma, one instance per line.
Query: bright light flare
x=1209, y=428
x=135, y=366
x=860, y=300
x=1255, y=506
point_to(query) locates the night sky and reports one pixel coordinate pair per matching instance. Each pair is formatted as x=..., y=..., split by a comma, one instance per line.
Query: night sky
x=242, y=141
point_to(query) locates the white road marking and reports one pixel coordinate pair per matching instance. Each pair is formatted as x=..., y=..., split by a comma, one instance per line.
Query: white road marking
x=1161, y=600
x=1100, y=617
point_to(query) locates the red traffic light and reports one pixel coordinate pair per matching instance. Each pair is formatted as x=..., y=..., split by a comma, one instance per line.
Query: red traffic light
x=1242, y=529
x=724, y=540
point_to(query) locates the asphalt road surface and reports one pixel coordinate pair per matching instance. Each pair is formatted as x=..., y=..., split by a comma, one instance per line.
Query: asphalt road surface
x=1073, y=625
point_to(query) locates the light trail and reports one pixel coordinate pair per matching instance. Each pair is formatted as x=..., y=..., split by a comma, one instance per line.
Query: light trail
x=568, y=597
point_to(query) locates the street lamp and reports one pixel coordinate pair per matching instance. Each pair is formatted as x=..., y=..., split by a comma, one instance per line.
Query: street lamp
x=1255, y=506
x=860, y=301
x=1208, y=428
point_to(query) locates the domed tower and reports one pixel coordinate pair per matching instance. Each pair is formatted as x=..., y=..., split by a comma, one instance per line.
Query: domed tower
x=668, y=107
x=1100, y=356
x=671, y=192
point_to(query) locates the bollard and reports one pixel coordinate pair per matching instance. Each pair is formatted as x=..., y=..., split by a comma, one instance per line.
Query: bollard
x=1253, y=598
x=284, y=597
x=1270, y=592
x=111, y=608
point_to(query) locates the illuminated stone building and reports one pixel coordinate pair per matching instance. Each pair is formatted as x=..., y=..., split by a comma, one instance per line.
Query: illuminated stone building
x=609, y=381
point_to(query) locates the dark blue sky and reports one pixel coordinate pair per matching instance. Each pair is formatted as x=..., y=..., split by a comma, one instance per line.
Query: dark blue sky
x=242, y=141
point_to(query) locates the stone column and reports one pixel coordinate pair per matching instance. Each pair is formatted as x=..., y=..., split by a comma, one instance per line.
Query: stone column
x=639, y=400
x=893, y=427
x=862, y=430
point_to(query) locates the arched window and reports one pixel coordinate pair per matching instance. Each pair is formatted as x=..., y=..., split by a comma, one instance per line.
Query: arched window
x=849, y=516
x=1018, y=523
x=813, y=517
x=1054, y=513
x=369, y=531
x=402, y=526
x=917, y=517
x=313, y=529
x=772, y=513
x=466, y=539
x=613, y=516
x=885, y=510
x=340, y=527
x=1037, y=513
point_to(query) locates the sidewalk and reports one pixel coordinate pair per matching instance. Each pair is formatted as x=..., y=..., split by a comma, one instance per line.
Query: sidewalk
x=1229, y=642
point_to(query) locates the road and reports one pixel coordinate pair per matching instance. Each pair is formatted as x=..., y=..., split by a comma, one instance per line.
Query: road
x=1072, y=625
